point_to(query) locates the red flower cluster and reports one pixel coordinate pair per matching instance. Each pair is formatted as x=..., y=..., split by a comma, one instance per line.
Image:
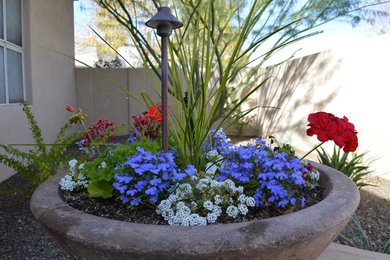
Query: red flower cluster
x=141, y=121
x=155, y=114
x=102, y=128
x=328, y=127
x=69, y=108
x=149, y=123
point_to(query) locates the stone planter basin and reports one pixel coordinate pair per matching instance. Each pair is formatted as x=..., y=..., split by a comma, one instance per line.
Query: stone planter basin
x=299, y=235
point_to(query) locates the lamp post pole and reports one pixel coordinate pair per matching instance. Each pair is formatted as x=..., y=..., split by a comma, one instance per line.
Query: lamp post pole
x=164, y=91
x=164, y=22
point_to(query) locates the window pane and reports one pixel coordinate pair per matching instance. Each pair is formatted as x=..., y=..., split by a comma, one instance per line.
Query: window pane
x=15, y=76
x=1, y=20
x=14, y=21
x=2, y=77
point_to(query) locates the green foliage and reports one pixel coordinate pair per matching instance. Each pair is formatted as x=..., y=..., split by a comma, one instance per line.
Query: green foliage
x=101, y=171
x=101, y=189
x=40, y=163
x=359, y=238
x=217, y=56
x=208, y=56
x=355, y=168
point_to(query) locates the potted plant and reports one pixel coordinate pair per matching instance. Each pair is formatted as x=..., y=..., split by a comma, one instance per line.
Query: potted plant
x=235, y=180
x=202, y=178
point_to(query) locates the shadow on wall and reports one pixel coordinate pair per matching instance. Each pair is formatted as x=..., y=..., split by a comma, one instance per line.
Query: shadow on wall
x=289, y=92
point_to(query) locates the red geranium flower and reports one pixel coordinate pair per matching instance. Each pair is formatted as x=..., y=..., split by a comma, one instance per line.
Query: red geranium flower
x=322, y=125
x=155, y=114
x=69, y=108
x=328, y=127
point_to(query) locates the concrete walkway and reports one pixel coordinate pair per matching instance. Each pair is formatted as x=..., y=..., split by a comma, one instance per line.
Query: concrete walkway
x=341, y=252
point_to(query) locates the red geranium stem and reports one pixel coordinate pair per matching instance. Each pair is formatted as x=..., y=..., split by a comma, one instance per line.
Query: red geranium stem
x=312, y=150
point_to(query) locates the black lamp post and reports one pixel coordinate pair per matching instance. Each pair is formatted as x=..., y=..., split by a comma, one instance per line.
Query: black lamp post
x=164, y=22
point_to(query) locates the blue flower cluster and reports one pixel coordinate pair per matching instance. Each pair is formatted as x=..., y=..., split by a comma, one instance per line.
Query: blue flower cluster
x=144, y=176
x=219, y=141
x=270, y=176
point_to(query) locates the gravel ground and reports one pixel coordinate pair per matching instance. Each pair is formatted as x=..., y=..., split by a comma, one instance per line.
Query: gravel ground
x=374, y=212
x=21, y=236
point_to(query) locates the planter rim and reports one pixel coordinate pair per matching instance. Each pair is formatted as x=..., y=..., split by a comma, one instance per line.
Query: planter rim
x=341, y=200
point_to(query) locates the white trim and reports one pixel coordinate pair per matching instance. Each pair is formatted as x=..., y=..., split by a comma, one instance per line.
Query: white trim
x=21, y=32
x=5, y=52
x=3, y=2
x=13, y=47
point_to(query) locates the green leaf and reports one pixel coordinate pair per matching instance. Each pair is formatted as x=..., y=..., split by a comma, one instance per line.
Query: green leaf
x=100, y=189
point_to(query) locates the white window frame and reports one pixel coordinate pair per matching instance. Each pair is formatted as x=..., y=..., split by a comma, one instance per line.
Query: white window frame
x=13, y=47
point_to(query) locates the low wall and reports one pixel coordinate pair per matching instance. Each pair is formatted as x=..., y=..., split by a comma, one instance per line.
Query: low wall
x=352, y=82
x=100, y=98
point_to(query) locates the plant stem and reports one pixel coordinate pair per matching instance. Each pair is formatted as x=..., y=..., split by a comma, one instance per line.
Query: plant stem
x=90, y=137
x=312, y=150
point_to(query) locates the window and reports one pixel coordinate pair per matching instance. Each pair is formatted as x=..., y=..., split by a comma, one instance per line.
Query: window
x=11, y=52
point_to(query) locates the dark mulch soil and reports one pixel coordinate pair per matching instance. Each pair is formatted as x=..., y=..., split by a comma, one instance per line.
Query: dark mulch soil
x=114, y=209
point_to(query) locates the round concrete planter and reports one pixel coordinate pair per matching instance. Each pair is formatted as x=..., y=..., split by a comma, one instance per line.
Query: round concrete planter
x=299, y=235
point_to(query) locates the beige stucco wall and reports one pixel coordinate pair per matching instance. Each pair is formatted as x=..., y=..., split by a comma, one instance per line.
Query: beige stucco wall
x=100, y=98
x=49, y=76
x=350, y=81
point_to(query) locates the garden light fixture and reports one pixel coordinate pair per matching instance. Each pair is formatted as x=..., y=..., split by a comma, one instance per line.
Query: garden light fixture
x=164, y=22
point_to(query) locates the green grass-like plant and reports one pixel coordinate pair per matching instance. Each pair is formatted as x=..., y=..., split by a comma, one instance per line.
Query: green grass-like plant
x=217, y=57
x=40, y=163
x=355, y=167
x=358, y=238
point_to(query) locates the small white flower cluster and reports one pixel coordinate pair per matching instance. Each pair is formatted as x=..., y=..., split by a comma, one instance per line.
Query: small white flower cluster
x=74, y=179
x=216, y=161
x=202, y=201
x=314, y=176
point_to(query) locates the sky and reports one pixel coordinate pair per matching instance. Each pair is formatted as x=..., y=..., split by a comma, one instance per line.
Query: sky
x=335, y=34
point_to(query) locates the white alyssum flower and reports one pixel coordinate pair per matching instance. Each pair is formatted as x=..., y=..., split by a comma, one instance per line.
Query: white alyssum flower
x=240, y=189
x=103, y=165
x=172, y=198
x=72, y=164
x=212, y=154
x=243, y=209
x=217, y=210
x=217, y=199
x=194, y=178
x=242, y=198
x=314, y=177
x=232, y=211
x=208, y=205
x=66, y=183
x=73, y=180
x=202, y=200
x=250, y=202
x=215, y=184
x=211, y=168
x=212, y=217
x=196, y=220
